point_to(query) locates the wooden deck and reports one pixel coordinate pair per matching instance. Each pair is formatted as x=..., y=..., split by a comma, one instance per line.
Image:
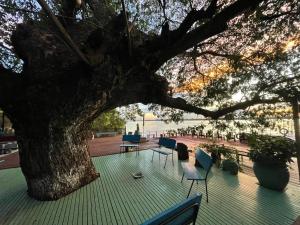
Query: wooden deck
x=117, y=198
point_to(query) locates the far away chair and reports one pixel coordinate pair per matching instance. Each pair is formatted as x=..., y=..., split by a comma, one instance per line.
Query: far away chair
x=166, y=147
x=192, y=173
x=133, y=140
x=184, y=212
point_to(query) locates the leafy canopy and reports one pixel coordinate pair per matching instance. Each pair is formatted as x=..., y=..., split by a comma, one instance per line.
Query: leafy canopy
x=108, y=121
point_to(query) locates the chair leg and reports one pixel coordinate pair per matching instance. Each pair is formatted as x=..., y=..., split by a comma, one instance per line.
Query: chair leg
x=152, y=156
x=206, y=190
x=166, y=161
x=172, y=158
x=190, y=189
x=182, y=177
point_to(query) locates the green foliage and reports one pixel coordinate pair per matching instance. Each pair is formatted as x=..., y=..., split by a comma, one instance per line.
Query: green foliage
x=226, y=151
x=167, y=114
x=172, y=133
x=130, y=112
x=108, y=121
x=271, y=150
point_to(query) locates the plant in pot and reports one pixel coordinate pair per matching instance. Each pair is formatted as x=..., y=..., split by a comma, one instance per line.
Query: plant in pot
x=271, y=156
x=229, y=163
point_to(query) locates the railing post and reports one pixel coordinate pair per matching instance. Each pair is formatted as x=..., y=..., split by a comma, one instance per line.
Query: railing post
x=296, y=118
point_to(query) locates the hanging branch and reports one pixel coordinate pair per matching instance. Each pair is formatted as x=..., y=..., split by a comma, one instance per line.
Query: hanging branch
x=127, y=28
x=163, y=6
x=63, y=32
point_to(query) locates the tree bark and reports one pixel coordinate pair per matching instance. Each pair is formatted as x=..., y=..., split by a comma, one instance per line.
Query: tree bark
x=54, y=159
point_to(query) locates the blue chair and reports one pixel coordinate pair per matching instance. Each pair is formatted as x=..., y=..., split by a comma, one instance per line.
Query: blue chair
x=133, y=140
x=166, y=147
x=184, y=212
x=192, y=173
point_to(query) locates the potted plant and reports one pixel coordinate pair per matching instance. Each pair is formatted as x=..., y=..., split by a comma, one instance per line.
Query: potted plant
x=217, y=151
x=271, y=156
x=230, y=162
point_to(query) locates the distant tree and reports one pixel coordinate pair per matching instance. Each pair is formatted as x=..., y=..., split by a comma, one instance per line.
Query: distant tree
x=108, y=121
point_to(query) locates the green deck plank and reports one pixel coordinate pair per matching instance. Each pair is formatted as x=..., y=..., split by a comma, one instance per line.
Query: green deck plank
x=96, y=198
x=133, y=189
x=8, y=216
x=64, y=213
x=102, y=201
x=130, y=191
x=9, y=204
x=95, y=211
x=141, y=188
x=71, y=217
x=116, y=198
x=109, y=214
x=121, y=209
x=135, y=194
x=22, y=214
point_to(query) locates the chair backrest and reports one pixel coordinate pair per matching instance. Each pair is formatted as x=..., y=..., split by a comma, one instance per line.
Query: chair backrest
x=167, y=142
x=132, y=138
x=184, y=212
x=204, y=159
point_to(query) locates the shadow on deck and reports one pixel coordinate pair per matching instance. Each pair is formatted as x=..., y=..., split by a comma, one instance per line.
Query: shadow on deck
x=117, y=198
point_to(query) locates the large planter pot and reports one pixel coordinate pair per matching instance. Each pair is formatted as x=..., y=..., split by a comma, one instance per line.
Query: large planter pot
x=272, y=176
x=231, y=166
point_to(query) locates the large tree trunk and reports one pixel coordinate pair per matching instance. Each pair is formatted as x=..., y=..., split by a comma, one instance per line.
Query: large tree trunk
x=54, y=159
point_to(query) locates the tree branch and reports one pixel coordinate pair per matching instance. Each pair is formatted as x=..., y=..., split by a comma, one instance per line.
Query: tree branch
x=63, y=32
x=272, y=85
x=127, y=28
x=180, y=103
x=213, y=27
x=192, y=17
x=69, y=8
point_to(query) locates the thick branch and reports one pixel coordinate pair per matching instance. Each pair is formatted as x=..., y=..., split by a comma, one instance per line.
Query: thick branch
x=214, y=26
x=69, y=8
x=127, y=28
x=180, y=103
x=243, y=105
x=63, y=32
x=192, y=17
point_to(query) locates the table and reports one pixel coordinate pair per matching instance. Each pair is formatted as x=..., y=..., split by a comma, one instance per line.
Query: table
x=127, y=146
